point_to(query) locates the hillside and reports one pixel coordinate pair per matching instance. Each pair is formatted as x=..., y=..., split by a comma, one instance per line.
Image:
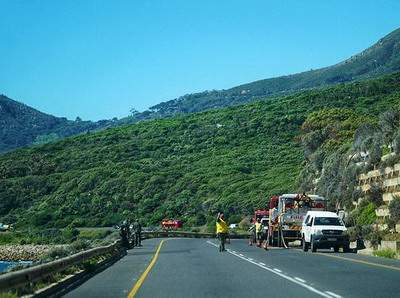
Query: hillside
x=187, y=167
x=381, y=58
x=21, y=125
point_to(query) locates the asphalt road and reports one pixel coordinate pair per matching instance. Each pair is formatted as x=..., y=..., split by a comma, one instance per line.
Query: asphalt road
x=195, y=268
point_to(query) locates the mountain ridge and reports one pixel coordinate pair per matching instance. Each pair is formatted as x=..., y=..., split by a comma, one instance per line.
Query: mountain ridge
x=381, y=58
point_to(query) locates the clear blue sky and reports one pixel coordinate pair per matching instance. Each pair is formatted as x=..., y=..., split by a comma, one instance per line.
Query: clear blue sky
x=98, y=59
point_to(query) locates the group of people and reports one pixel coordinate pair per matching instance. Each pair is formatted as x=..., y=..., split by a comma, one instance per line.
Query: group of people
x=131, y=233
x=258, y=232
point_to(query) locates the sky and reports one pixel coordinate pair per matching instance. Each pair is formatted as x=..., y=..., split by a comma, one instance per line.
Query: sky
x=100, y=59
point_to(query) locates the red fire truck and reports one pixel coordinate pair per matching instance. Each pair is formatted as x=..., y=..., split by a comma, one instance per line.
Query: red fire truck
x=171, y=224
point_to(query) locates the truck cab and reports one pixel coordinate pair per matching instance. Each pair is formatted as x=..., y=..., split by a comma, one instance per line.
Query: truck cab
x=323, y=229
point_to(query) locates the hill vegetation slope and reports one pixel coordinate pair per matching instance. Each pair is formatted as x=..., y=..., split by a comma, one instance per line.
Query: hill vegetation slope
x=188, y=166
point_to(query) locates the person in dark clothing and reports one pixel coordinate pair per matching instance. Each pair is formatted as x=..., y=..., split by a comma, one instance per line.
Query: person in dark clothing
x=138, y=233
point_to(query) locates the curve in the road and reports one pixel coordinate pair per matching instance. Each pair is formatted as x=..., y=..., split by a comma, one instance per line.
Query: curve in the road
x=142, y=278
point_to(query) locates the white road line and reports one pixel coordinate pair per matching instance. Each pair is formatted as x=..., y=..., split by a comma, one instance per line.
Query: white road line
x=310, y=288
x=277, y=270
x=262, y=264
x=333, y=294
x=209, y=242
x=299, y=279
x=250, y=259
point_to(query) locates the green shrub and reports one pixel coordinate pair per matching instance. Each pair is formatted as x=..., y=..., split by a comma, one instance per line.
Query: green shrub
x=394, y=209
x=8, y=295
x=70, y=234
x=385, y=253
x=80, y=245
x=244, y=224
x=57, y=253
x=367, y=215
x=354, y=232
x=375, y=237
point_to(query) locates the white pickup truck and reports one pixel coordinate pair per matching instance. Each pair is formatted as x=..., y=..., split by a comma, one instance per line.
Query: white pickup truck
x=322, y=229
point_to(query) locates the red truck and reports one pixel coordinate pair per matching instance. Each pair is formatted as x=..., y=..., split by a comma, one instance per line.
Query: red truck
x=171, y=224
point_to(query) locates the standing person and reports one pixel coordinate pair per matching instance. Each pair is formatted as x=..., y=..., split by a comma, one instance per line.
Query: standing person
x=258, y=227
x=138, y=233
x=222, y=230
x=252, y=237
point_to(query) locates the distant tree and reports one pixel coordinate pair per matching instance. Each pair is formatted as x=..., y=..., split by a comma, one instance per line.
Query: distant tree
x=396, y=142
x=389, y=122
x=394, y=209
x=134, y=112
x=78, y=119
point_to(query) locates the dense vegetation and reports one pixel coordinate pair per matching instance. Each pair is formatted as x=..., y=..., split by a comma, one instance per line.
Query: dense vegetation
x=189, y=166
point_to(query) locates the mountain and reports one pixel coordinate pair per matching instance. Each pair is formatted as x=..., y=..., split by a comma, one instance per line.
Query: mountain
x=186, y=167
x=381, y=58
x=21, y=125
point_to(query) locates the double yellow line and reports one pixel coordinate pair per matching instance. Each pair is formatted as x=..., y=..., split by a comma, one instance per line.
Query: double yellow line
x=142, y=278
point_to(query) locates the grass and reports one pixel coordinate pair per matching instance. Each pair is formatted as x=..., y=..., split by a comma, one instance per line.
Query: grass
x=385, y=253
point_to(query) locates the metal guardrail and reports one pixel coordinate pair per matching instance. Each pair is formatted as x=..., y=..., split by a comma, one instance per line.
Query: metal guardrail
x=22, y=277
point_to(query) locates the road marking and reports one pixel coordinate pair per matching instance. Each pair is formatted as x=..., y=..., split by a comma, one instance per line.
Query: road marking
x=333, y=294
x=262, y=264
x=277, y=270
x=360, y=261
x=250, y=259
x=142, y=278
x=310, y=288
x=300, y=280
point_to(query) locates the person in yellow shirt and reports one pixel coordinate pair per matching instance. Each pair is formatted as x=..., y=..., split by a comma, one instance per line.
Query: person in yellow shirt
x=222, y=230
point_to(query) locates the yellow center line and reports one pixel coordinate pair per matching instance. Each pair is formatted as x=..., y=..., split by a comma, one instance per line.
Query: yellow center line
x=360, y=261
x=142, y=278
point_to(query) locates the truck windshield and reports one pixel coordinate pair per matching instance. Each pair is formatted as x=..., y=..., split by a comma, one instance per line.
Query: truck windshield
x=327, y=221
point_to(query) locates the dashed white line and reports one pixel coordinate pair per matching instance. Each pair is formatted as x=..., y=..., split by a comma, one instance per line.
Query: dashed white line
x=250, y=259
x=262, y=264
x=333, y=294
x=279, y=273
x=300, y=280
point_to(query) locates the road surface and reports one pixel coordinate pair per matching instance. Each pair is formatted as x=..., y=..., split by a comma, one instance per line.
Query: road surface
x=195, y=268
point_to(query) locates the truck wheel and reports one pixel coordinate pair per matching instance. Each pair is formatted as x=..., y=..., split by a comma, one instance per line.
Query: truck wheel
x=313, y=246
x=346, y=248
x=305, y=244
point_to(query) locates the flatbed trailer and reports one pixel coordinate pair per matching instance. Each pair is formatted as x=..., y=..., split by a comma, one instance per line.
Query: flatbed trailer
x=286, y=216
